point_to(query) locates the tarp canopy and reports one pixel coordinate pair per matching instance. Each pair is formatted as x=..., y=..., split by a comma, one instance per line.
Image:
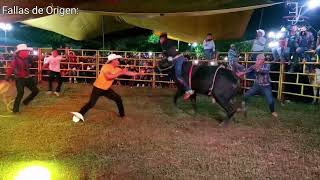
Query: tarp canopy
x=186, y=20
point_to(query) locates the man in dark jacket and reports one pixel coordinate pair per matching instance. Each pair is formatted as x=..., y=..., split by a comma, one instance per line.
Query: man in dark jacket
x=170, y=51
x=21, y=67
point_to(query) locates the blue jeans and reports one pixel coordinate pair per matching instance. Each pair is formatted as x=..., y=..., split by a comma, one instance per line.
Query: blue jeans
x=282, y=54
x=178, y=70
x=318, y=51
x=266, y=90
x=301, y=53
x=208, y=53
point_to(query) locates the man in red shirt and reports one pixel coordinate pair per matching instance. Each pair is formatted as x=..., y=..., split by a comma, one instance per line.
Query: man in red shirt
x=20, y=66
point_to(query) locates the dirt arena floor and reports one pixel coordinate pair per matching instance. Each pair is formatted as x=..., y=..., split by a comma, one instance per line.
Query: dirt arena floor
x=158, y=140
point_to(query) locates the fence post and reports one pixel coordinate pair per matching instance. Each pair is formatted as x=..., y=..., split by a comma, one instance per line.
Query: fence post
x=153, y=71
x=280, y=83
x=246, y=57
x=97, y=63
x=39, y=64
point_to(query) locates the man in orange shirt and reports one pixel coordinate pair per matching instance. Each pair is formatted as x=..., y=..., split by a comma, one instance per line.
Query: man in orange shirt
x=102, y=86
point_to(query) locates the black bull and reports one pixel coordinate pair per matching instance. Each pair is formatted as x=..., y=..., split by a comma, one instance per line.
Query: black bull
x=226, y=85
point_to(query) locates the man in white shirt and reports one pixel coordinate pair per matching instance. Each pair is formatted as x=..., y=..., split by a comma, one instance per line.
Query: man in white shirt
x=209, y=47
x=54, y=71
x=259, y=43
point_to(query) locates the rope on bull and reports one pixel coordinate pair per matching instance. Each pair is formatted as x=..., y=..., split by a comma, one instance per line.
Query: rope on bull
x=214, y=80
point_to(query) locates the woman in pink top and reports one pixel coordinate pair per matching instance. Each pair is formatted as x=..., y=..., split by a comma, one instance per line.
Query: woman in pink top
x=54, y=71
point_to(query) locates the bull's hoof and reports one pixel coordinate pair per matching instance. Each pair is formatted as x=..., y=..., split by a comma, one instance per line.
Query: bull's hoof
x=224, y=124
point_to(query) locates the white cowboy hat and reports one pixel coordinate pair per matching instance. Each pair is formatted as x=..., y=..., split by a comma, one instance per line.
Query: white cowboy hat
x=77, y=117
x=262, y=32
x=23, y=47
x=112, y=57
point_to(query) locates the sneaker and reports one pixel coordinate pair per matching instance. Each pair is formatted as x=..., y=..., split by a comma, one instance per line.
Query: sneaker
x=57, y=94
x=275, y=115
x=49, y=92
x=188, y=94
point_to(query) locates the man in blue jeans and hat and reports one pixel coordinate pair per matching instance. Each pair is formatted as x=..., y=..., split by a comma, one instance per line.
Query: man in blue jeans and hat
x=170, y=51
x=262, y=83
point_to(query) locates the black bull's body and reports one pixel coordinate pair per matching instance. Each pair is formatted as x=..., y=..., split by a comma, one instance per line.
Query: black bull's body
x=226, y=85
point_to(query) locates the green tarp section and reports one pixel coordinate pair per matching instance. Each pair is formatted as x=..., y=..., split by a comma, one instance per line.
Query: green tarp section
x=186, y=20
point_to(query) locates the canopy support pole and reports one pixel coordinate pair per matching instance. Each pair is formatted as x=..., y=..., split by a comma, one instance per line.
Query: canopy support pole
x=102, y=26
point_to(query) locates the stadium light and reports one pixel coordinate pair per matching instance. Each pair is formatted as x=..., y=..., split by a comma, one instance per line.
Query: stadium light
x=312, y=4
x=34, y=173
x=189, y=44
x=283, y=29
x=226, y=58
x=271, y=34
x=5, y=27
x=150, y=53
x=196, y=62
x=194, y=44
x=213, y=63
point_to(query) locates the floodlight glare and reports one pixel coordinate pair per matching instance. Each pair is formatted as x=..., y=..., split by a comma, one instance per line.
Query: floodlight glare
x=34, y=173
x=312, y=4
x=273, y=44
x=279, y=35
x=35, y=52
x=189, y=44
x=196, y=61
x=194, y=44
x=150, y=53
x=283, y=29
x=226, y=58
x=271, y=34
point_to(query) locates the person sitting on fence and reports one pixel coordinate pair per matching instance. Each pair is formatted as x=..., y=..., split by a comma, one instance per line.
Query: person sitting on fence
x=318, y=44
x=170, y=51
x=102, y=86
x=259, y=43
x=54, y=71
x=209, y=47
x=21, y=67
x=262, y=83
x=233, y=59
x=305, y=43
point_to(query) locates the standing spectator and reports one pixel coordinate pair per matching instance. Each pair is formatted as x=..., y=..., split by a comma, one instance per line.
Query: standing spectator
x=233, y=59
x=21, y=67
x=318, y=44
x=305, y=43
x=259, y=43
x=282, y=53
x=209, y=47
x=54, y=71
x=262, y=83
x=293, y=45
x=72, y=59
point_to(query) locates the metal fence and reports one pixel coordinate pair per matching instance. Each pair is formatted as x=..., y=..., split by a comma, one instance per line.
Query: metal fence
x=83, y=65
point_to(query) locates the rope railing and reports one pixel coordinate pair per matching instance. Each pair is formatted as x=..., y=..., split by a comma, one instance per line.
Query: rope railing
x=85, y=65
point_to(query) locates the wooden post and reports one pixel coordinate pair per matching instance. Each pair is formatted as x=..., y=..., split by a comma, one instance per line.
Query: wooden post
x=280, y=83
x=39, y=64
x=97, y=63
x=154, y=73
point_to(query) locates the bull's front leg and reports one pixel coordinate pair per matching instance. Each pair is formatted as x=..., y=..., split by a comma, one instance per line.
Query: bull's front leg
x=194, y=102
x=178, y=94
